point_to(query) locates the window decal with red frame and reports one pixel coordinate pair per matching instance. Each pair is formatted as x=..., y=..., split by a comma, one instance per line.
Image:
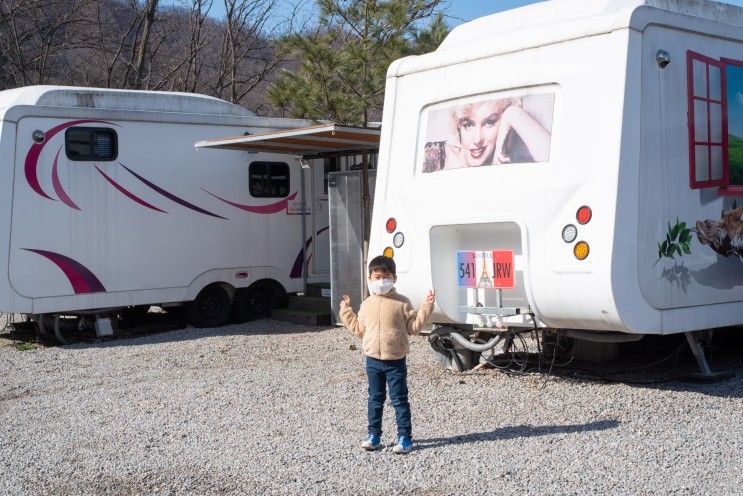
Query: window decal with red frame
x=708, y=145
x=733, y=120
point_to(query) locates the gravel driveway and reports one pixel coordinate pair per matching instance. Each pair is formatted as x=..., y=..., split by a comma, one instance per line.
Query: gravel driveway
x=274, y=408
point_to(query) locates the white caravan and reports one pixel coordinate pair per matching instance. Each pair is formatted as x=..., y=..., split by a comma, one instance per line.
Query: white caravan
x=106, y=203
x=599, y=141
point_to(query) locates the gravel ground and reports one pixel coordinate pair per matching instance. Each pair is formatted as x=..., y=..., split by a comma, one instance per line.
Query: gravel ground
x=274, y=408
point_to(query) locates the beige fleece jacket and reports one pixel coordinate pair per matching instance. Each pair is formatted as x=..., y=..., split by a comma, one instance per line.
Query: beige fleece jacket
x=384, y=322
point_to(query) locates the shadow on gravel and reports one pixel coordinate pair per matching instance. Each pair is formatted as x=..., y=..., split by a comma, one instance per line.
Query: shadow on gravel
x=512, y=432
x=666, y=363
x=180, y=332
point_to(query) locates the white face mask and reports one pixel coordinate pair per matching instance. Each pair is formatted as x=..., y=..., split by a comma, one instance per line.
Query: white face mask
x=380, y=286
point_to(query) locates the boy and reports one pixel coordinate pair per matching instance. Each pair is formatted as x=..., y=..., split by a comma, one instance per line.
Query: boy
x=385, y=319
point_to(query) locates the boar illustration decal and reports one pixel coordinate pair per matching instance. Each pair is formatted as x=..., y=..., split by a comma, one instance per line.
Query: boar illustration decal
x=725, y=236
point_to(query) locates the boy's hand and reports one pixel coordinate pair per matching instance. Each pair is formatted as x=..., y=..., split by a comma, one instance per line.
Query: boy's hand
x=345, y=302
x=431, y=296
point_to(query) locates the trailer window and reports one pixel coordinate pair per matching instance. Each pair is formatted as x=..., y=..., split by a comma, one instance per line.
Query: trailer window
x=269, y=179
x=507, y=128
x=91, y=143
x=734, y=121
x=707, y=141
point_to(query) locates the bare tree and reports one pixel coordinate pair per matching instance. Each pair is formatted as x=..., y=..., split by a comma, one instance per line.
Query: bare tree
x=197, y=16
x=247, y=52
x=115, y=24
x=146, y=44
x=148, y=16
x=36, y=34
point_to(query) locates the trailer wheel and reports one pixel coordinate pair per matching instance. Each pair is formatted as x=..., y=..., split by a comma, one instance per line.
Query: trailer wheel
x=211, y=308
x=45, y=328
x=255, y=302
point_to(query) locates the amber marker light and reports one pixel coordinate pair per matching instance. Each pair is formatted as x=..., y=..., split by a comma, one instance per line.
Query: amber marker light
x=584, y=214
x=391, y=225
x=388, y=252
x=581, y=250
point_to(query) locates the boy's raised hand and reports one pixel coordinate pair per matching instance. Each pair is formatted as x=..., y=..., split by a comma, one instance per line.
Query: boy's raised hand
x=345, y=302
x=431, y=296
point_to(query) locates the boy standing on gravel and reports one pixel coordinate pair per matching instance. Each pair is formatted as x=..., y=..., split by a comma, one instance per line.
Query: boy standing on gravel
x=384, y=321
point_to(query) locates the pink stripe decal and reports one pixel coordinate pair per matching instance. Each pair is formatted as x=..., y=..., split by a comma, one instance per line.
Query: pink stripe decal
x=128, y=193
x=58, y=186
x=262, y=209
x=80, y=277
x=171, y=196
x=32, y=157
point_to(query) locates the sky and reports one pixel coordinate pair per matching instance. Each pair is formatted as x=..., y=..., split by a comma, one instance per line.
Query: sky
x=460, y=10
x=472, y=9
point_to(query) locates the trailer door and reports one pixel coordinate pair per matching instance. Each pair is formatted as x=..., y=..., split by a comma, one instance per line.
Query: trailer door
x=321, y=214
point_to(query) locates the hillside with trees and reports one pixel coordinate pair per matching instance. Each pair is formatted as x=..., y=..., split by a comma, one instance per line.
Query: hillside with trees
x=329, y=67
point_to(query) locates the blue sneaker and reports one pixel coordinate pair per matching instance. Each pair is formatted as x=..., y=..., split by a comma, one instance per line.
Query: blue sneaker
x=404, y=445
x=372, y=442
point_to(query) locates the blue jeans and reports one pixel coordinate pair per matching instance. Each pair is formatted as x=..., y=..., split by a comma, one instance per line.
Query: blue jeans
x=392, y=373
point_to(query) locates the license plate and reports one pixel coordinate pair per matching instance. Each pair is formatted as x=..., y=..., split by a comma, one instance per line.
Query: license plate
x=491, y=269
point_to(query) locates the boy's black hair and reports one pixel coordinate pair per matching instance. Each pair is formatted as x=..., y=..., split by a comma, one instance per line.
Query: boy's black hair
x=384, y=263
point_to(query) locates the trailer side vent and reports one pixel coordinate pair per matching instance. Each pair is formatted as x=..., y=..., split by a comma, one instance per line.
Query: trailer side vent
x=91, y=143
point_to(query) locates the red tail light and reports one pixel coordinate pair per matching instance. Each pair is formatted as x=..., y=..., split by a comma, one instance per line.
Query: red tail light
x=583, y=215
x=391, y=225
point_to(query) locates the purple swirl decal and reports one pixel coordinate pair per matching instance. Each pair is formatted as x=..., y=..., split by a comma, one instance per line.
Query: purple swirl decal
x=80, y=277
x=262, y=209
x=171, y=196
x=297, y=267
x=32, y=157
x=128, y=193
x=58, y=186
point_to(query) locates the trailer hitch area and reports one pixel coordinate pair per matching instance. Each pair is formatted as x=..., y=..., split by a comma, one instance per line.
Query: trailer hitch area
x=446, y=339
x=490, y=319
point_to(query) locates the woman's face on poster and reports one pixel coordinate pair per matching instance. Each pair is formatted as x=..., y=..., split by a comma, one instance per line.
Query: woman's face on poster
x=478, y=130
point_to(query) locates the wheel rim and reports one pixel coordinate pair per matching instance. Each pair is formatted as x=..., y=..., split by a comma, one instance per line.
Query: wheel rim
x=259, y=303
x=211, y=306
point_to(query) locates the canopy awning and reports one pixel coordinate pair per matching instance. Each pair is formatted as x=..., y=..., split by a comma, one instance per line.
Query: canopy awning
x=307, y=142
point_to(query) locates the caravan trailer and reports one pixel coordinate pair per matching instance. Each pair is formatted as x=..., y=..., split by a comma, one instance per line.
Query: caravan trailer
x=106, y=204
x=572, y=164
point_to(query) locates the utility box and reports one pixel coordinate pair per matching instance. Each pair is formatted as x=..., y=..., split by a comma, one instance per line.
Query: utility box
x=347, y=271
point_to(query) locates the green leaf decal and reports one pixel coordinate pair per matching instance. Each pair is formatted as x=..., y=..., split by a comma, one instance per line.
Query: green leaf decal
x=677, y=241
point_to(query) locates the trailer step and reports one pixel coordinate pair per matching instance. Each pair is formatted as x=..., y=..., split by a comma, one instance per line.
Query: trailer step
x=321, y=289
x=304, y=317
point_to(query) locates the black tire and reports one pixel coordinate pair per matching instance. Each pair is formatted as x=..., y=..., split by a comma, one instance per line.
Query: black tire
x=211, y=308
x=255, y=302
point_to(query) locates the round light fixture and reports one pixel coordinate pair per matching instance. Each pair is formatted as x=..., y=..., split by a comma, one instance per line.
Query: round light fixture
x=581, y=250
x=569, y=233
x=584, y=214
x=398, y=239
